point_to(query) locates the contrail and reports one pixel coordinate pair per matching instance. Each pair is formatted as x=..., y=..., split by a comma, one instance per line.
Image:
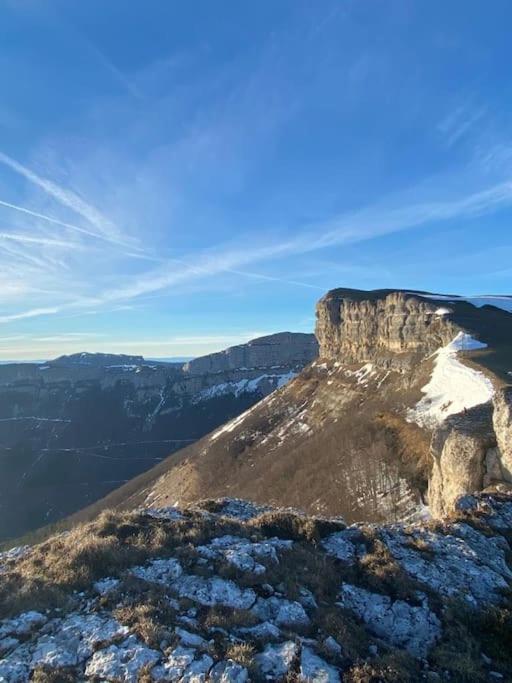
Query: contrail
x=67, y=198
x=29, y=239
x=55, y=221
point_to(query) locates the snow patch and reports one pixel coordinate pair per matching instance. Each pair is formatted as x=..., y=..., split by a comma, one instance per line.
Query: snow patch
x=275, y=381
x=453, y=386
x=503, y=302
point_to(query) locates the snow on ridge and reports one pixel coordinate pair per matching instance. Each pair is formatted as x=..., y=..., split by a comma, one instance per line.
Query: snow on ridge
x=277, y=380
x=496, y=300
x=453, y=386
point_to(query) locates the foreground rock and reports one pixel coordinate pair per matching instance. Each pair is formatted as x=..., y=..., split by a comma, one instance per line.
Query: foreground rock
x=230, y=592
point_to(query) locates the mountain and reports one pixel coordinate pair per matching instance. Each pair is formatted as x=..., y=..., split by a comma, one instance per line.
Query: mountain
x=74, y=428
x=230, y=592
x=405, y=409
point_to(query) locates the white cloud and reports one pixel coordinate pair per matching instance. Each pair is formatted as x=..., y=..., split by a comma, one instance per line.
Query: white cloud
x=345, y=229
x=31, y=313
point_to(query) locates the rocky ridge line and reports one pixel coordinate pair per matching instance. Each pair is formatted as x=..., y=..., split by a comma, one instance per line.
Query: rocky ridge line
x=232, y=591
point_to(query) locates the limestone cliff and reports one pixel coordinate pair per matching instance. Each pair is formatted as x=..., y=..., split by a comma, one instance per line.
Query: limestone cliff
x=360, y=326
x=276, y=350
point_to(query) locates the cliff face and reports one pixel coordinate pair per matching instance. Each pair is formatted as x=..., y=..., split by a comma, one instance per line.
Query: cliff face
x=379, y=326
x=276, y=350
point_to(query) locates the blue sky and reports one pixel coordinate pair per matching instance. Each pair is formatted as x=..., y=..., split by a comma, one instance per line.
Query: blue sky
x=178, y=177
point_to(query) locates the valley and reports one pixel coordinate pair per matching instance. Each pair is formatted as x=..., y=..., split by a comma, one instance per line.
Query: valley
x=73, y=429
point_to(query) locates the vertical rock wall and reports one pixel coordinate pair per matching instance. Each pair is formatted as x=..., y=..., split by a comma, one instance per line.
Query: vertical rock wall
x=356, y=326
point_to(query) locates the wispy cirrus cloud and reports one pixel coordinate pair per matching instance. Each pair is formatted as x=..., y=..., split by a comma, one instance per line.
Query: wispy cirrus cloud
x=66, y=197
x=30, y=239
x=49, y=219
x=367, y=224
x=348, y=228
x=30, y=313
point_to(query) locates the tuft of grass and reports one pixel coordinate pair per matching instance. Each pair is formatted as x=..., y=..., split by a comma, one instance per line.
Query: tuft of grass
x=42, y=675
x=381, y=573
x=228, y=619
x=304, y=567
x=345, y=629
x=145, y=620
x=396, y=667
x=290, y=525
x=105, y=547
x=241, y=653
x=467, y=633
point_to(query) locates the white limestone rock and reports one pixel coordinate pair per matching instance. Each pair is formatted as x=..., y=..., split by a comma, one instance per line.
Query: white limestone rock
x=410, y=627
x=214, y=591
x=54, y=652
x=7, y=644
x=13, y=671
x=23, y=624
x=169, y=513
x=468, y=564
x=265, y=631
x=183, y=664
x=188, y=639
x=275, y=660
x=121, y=663
x=105, y=586
x=163, y=571
x=241, y=509
x=333, y=646
x=244, y=555
x=314, y=669
x=229, y=672
x=281, y=612
x=339, y=546
x=12, y=555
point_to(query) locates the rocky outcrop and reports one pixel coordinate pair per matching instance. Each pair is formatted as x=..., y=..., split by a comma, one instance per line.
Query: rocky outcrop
x=276, y=350
x=360, y=326
x=228, y=591
x=502, y=422
x=459, y=447
x=471, y=451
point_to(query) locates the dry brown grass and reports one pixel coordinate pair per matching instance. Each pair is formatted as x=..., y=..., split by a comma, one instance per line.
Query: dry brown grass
x=467, y=633
x=420, y=545
x=343, y=627
x=393, y=668
x=41, y=675
x=105, y=547
x=228, y=618
x=242, y=653
x=303, y=566
x=381, y=573
x=289, y=525
x=145, y=620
